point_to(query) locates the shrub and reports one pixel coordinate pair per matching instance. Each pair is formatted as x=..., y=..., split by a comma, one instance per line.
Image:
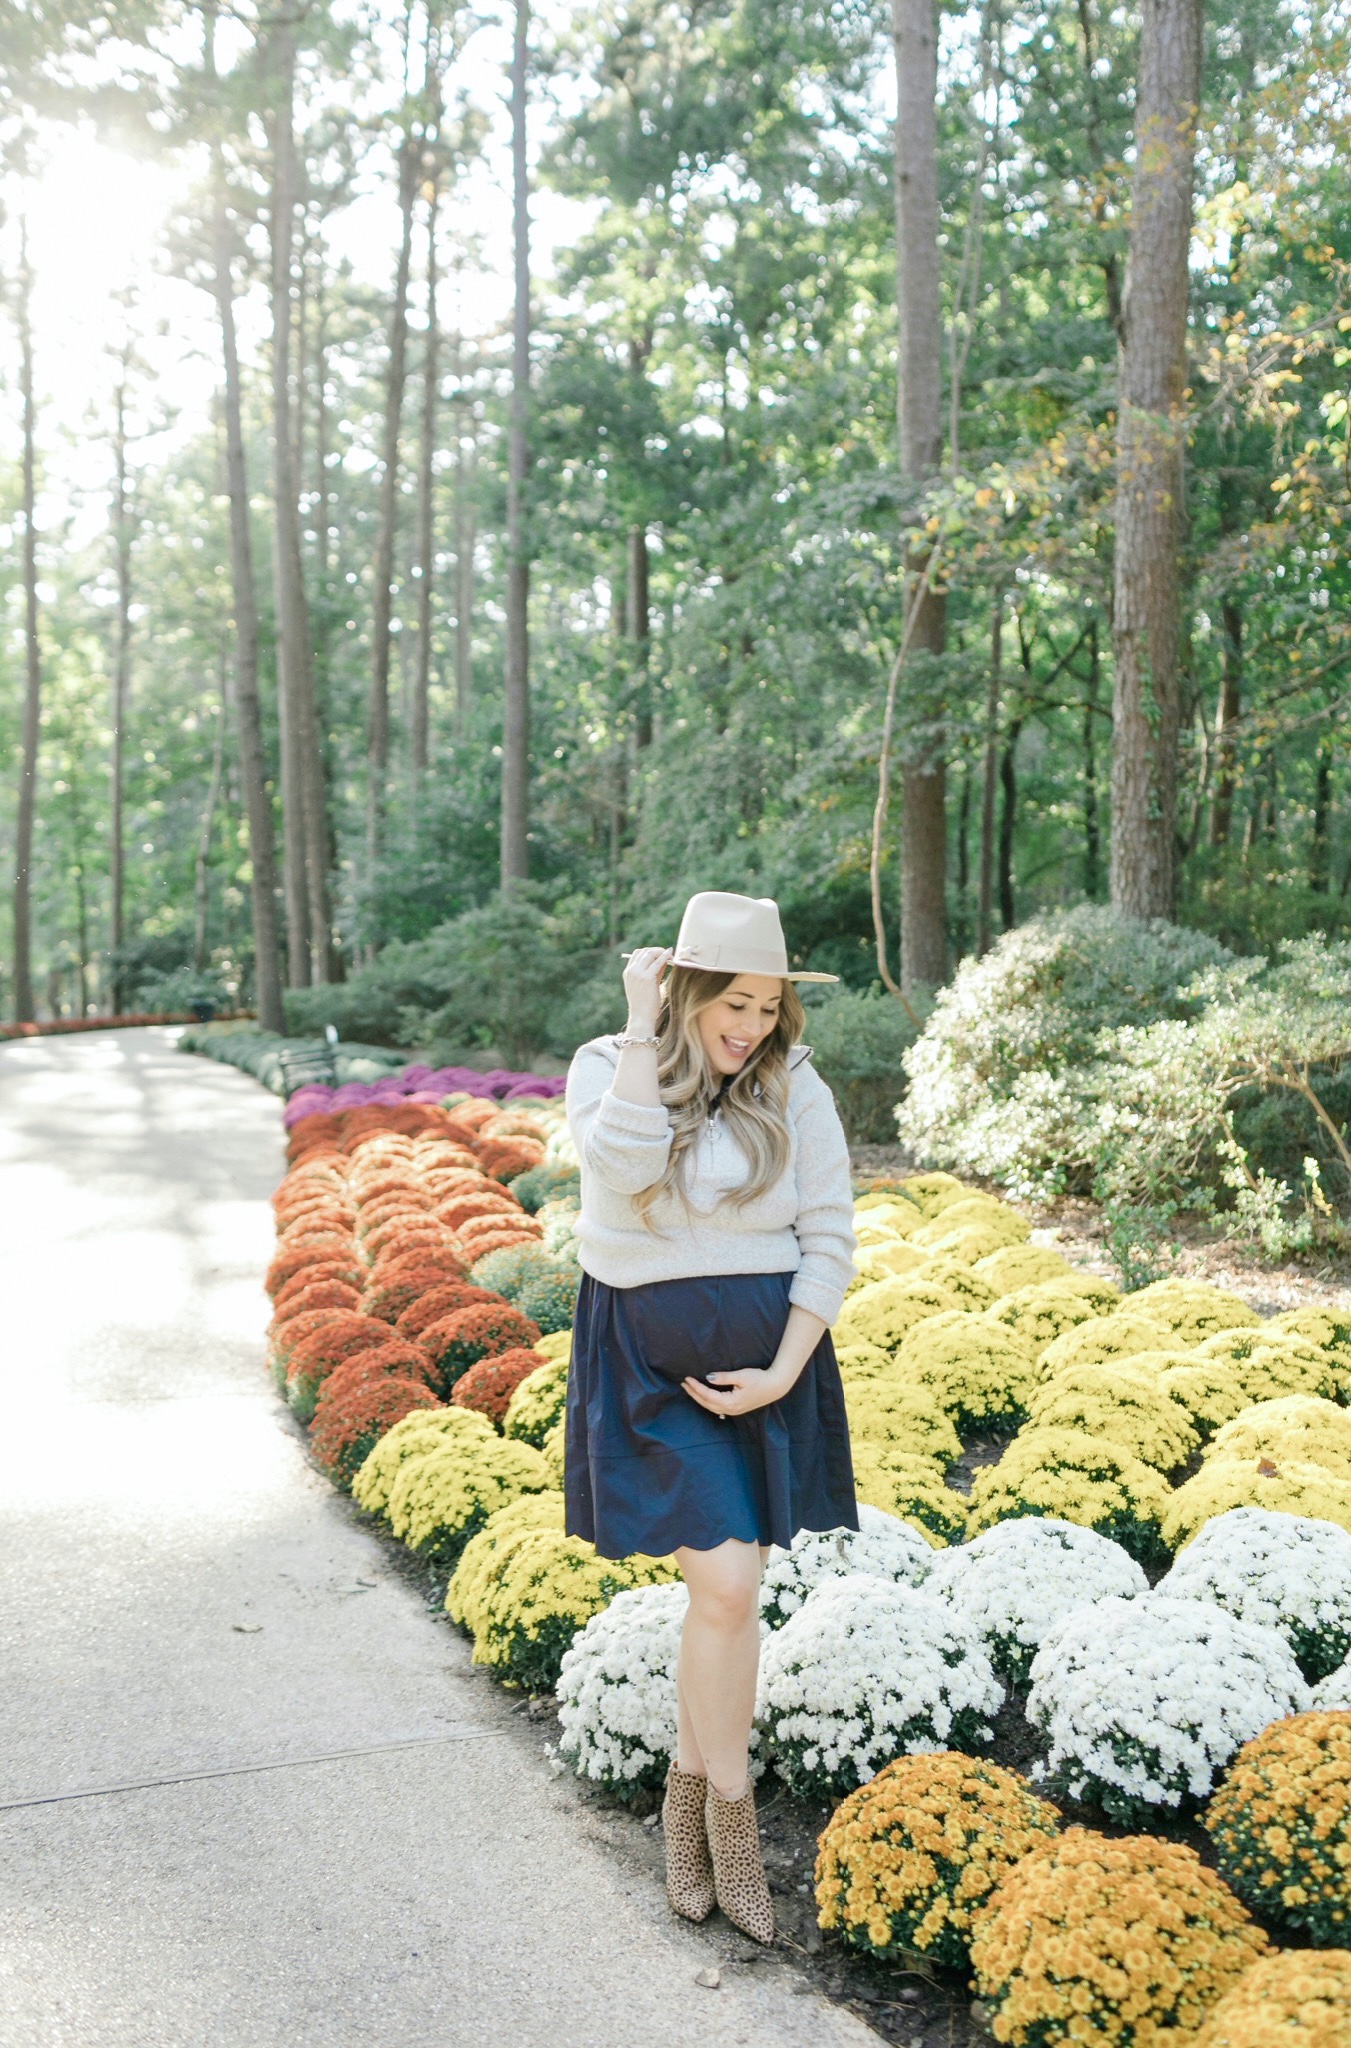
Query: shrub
x=538, y=1403
x=319, y=1294
x=444, y=1496
x=979, y=1373
x=1269, y=1366
x=1101, y=1339
x=882, y=1547
x=351, y=1418
x=284, y=1338
x=617, y=1691
x=1298, y=1999
x=544, y=1183
x=473, y=1579
x=441, y=1301
x=860, y=1040
x=410, y=1439
x=867, y=1670
x=1283, y=1572
x=397, y=1287
x=1108, y=1941
x=1334, y=1691
x=1283, y=1485
x=1279, y=1825
x=892, y=1409
x=885, y=1311
x=907, y=1861
x=460, y=1339
x=911, y=1487
x=1016, y=1581
x=547, y=1586
x=508, y=1272
x=1076, y=1478
x=1192, y=1310
x=1326, y=1327
x=1021, y=1265
x=1209, y=1389
x=1144, y=1701
x=1001, y=1079
x=550, y=1299
x=1124, y=1407
x=488, y=1386
x=334, y=1252
x=963, y=1282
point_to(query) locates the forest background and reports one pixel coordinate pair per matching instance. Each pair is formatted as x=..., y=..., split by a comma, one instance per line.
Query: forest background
x=399, y=597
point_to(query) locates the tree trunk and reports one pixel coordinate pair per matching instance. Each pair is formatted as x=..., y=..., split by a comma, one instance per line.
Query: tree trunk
x=248, y=712
x=1151, y=438
x=377, y=726
x=924, y=953
x=121, y=678
x=638, y=623
x=1092, y=824
x=426, y=543
x=32, y=703
x=516, y=696
x=201, y=876
x=1227, y=718
x=993, y=692
x=1008, y=782
x=1320, y=865
x=303, y=796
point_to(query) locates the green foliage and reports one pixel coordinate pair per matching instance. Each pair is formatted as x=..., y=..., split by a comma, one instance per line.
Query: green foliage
x=860, y=1041
x=541, y=1184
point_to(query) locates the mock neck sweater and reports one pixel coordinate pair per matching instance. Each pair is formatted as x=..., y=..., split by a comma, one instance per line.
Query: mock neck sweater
x=802, y=1224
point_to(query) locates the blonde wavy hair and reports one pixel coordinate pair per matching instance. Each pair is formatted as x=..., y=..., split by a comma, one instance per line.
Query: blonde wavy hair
x=755, y=1104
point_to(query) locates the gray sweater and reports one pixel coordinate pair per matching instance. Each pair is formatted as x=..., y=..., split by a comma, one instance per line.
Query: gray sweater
x=803, y=1224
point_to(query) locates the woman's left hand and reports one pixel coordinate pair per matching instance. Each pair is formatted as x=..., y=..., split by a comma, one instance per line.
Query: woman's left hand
x=738, y=1393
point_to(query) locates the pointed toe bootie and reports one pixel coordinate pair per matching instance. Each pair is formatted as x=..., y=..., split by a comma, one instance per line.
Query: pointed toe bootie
x=689, y=1867
x=738, y=1869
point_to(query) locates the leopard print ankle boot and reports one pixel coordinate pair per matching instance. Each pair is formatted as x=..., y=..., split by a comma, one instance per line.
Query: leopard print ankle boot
x=689, y=1867
x=738, y=1871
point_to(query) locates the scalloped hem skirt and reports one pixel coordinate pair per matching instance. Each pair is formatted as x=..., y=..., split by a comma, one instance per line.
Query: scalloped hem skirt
x=647, y=1469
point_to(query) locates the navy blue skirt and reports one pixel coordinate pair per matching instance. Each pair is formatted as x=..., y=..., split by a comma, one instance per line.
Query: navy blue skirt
x=648, y=1469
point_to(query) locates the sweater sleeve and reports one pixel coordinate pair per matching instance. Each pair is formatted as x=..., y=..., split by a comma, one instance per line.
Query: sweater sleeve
x=625, y=1144
x=825, y=1205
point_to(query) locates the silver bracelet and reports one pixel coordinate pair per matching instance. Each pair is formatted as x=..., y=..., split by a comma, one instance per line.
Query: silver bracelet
x=625, y=1038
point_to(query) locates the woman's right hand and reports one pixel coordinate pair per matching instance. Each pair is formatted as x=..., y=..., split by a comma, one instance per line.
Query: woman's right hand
x=642, y=986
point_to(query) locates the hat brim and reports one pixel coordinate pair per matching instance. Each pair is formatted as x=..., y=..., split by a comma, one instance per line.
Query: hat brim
x=789, y=974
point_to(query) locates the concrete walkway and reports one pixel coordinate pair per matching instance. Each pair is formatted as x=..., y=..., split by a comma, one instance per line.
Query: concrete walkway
x=251, y=1795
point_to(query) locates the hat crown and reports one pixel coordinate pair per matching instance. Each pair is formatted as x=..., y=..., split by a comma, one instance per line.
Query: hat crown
x=729, y=934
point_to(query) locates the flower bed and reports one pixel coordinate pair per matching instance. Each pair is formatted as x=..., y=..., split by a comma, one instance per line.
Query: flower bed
x=1300, y=1999
x=1279, y=1825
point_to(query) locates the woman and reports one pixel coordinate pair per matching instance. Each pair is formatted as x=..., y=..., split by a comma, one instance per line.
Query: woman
x=705, y=1412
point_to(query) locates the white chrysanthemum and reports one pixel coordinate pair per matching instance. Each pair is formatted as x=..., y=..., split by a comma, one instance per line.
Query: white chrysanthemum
x=1146, y=1700
x=865, y=1671
x=617, y=1689
x=882, y=1547
x=1334, y=1694
x=1014, y=1582
x=1287, y=1572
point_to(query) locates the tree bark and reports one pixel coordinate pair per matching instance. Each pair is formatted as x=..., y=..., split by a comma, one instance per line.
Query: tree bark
x=515, y=850
x=377, y=726
x=309, y=948
x=426, y=546
x=1008, y=783
x=201, y=877
x=1151, y=442
x=1227, y=718
x=32, y=702
x=121, y=677
x=1320, y=866
x=924, y=953
x=994, y=689
x=248, y=711
x=1092, y=824
x=638, y=626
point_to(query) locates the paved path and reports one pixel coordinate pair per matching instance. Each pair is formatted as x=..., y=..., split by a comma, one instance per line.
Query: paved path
x=191, y=1627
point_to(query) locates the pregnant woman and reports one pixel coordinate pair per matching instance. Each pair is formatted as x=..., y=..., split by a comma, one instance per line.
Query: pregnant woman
x=705, y=1412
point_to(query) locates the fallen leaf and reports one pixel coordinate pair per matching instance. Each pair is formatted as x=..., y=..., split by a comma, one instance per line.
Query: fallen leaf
x=710, y=1979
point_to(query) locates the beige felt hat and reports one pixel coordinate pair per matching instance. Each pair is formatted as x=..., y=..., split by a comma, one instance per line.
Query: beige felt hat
x=727, y=934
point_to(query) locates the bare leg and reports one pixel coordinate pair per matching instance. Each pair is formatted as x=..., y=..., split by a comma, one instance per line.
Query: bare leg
x=719, y=1657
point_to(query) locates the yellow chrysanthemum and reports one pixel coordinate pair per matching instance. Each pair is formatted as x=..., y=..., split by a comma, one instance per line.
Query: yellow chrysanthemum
x=934, y=1192
x=1126, y=1407
x=1279, y=1825
x=556, y=1346
x=1300, y=1998
x=1041, y=1314
x=477, y=1571
x=977, y=1370
x=1083, y=1479
x=1192, y=1310
x=906, y=1861
x=885, y=1310
x=1111, y=1942
x=900, y=1483
x=544, y=1587
x=1021, y=1265
x=537, y=1403
x=1209, y=1389
x=1119, y=1335
x=444, y=1496
x=1311, y=1431
x=893, y=1408
x=424, y=1430
x=888, y=1259
x=1268, y=1365
x=1283, y=1484
x=961, y=1280
x=552, y=1451
x=1323, y=1325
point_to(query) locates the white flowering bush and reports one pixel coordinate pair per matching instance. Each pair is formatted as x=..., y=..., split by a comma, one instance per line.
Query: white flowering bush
x=866, y=1671
x=1291, y=1573
x=1012, y=1584
x=1145, y=1701
x=1333, y=1694
x=882, y=1547
x=617, y=1690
